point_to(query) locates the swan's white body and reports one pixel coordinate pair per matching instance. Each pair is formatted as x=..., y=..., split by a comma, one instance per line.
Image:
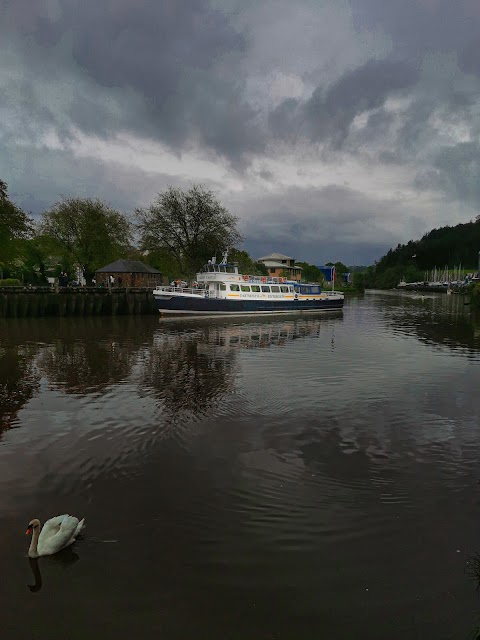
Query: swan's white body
x=56, y=534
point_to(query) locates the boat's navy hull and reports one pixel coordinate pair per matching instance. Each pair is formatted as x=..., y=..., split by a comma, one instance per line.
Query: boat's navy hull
x=181, y=305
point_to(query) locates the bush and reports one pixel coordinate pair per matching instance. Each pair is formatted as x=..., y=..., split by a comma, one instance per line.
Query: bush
x=474, y=291
x=10, y=282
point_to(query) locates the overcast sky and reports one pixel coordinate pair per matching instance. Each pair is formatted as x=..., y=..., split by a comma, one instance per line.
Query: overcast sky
x=333, y=129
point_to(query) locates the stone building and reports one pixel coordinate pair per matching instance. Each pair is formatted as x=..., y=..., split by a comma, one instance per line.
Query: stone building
x=128, y=273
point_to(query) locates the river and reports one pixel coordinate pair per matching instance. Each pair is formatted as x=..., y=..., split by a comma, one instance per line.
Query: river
x=292, y=477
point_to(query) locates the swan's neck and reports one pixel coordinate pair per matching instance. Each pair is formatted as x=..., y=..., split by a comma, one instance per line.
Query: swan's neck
x=32, y=551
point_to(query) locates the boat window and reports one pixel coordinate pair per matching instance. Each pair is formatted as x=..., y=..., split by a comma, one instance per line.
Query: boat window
x=275, y=289
x=284, y=289
x=234, y=287
x=291, y=289
x=255, y=288
x=265, y=289
x=245, y=287
x=230, y=269
x=223, y=286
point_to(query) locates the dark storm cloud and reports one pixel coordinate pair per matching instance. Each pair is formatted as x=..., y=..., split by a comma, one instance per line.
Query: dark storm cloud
x=321, y=224
x=470, y=57
x=328, y=114
x=420, y=26
x=456, y=172
x=397, y=91
x=174, y=62
x=39, y=177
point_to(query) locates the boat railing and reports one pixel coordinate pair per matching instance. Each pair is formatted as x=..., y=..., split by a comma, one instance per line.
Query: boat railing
x=333, y=293
x=194, y=291
x=265, y=280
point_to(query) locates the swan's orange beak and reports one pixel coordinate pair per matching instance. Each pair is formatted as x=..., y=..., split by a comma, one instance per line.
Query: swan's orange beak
x=28, y=531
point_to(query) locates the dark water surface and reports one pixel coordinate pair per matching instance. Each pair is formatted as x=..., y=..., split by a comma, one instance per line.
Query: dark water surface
x=290, y=477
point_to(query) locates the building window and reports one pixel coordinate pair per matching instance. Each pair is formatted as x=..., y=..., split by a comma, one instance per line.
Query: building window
x=272, y=269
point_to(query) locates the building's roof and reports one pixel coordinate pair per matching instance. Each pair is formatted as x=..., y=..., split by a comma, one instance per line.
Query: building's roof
x=280, y=265
x=127, y=266
x=275, y=256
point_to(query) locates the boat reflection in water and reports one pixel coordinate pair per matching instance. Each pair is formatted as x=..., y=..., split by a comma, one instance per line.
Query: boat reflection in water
x=249, y=334
x=191, y=364
x=185, y=364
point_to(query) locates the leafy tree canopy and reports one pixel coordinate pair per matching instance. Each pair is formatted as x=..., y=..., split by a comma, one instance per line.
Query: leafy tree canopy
x=192, y=226
x=15, y=226
x=340, y=268
x=246, y=264
x=445, y=247
x=310, y=273
x=90, y=232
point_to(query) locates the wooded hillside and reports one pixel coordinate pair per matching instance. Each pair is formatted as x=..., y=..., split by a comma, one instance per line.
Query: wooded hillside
x=447, y=246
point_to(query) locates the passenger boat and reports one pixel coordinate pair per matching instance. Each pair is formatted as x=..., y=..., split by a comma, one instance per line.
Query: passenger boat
x=223, y=290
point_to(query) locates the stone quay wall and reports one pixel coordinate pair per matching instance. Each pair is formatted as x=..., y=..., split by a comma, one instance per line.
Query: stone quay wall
x=23, y=302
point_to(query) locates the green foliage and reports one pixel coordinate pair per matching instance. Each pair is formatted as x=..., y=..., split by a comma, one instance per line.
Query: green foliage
x=311, y=273
x=15, y=226
x=89, y=232
x=159, y=259
x=340, y=268
x=260, y=269
x=192, y=226
x=445, y=246
x=358, y=281
x=41, y=255
x=10, y=282
x=451, y=246
x=474, y=291
x=246, y=264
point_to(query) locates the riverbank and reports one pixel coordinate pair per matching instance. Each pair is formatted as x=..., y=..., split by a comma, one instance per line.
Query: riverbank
x=20, y=302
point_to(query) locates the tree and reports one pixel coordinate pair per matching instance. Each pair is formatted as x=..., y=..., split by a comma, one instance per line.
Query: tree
x=359, y=281
x=90, y=232
x=246, y=264
x=15, y=226
x=311, y=273
x=41, y=255
x=340, y=268
x=191, y=225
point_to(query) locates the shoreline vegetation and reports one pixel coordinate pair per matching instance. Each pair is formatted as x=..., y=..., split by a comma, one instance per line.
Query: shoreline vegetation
x=176, y=235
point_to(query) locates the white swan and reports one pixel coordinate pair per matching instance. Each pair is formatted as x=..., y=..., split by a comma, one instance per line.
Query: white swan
x=57, y=533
